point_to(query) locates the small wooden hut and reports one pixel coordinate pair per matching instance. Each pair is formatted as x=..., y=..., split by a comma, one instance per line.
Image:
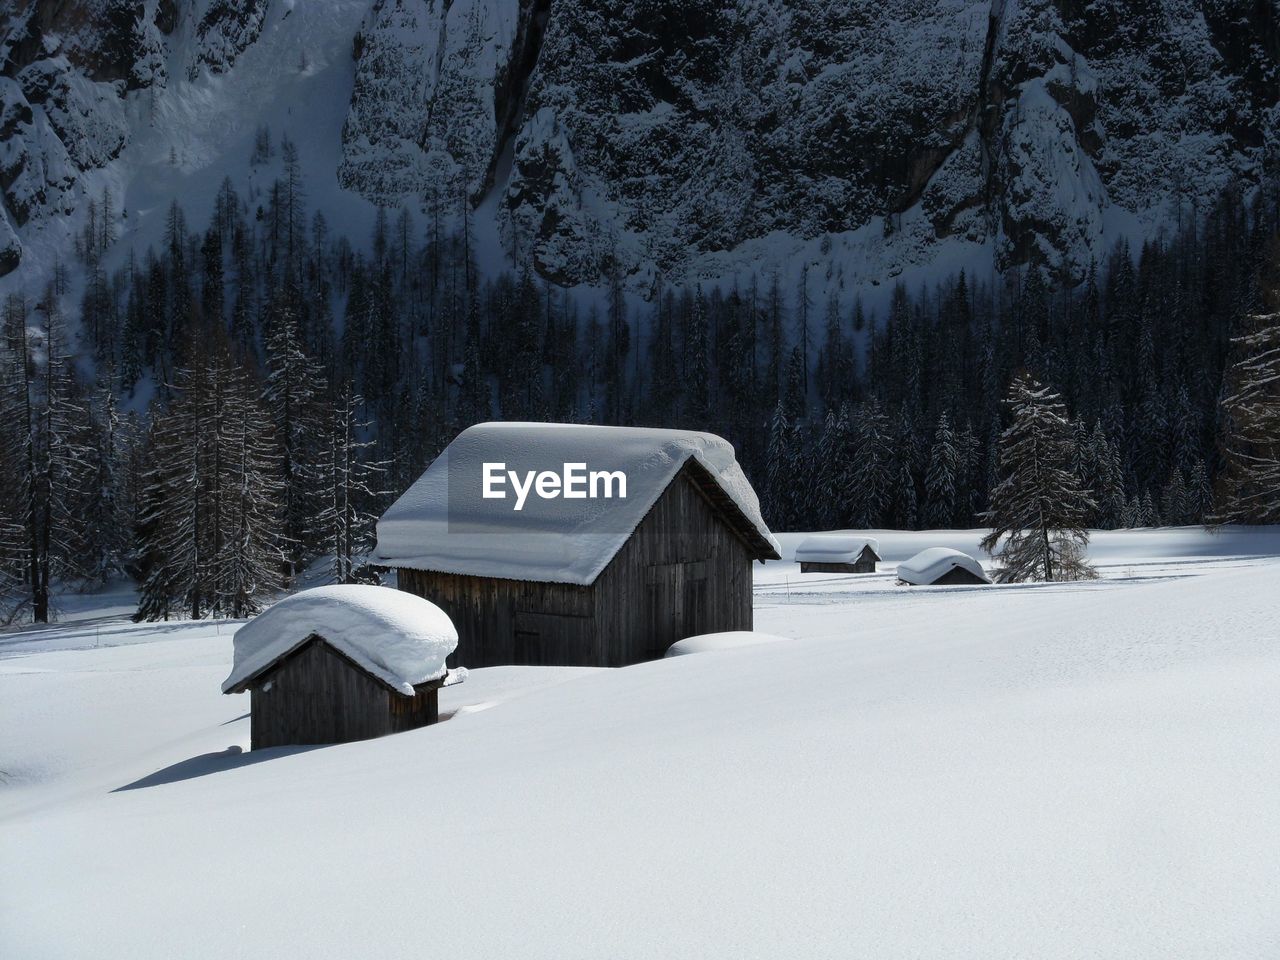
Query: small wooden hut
x=341, y=663
x=941, y=566
x=586, y=582
x=838, y=553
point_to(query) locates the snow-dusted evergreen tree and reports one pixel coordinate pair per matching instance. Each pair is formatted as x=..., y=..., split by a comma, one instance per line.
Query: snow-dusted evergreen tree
x=940, y=480
x=1199, y=492
x=1173, y=499
x=906, y=511
x=294, y=382
x=833, y=464
x=1038, y=508
x=697, y=360
x=246, y=555
x=1148, y=515
x=46, y=459
x=351, y=483
x=172, y=523
x=210, y=513
x=870, y=485
x=1102, y=476
x=106, y=532
x=1251, y=409
x=15, y=478
x=780, y=478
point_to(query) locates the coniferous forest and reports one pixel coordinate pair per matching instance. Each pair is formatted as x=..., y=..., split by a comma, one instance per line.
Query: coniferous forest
x=212, y=415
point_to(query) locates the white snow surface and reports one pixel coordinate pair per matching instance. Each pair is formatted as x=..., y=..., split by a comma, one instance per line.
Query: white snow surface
x=835, y=547
x=1036, y=770
x=432, y=527
x=728, y=640
x=398, y=637
x=931, y=563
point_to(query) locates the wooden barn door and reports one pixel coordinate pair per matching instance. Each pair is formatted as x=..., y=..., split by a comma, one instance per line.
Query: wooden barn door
x=676, y=601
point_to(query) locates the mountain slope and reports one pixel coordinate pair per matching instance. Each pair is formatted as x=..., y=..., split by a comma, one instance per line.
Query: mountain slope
x=658, y=136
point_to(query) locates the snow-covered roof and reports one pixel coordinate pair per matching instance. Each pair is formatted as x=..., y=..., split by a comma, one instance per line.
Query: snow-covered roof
x=553, y=540
x=928, y=565
x=398, y=637
x=835, y=548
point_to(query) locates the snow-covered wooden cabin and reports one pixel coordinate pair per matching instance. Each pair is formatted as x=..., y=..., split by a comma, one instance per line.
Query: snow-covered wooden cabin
x=838, y=553
x=604, y=581
x=340, y=663
x=940, y=566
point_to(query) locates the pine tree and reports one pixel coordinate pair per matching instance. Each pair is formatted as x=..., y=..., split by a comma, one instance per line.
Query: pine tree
x=105, y=511
x=871, y=483
x=1102, y=475
x=780, y=476
x=940, y=480
x=1199, y=493
x=16, y=477
x=905, y=501
x=346, y=520
x=246, y=559
x=834, y=463
x=171, y=522
x=294, y=381
x=1039, y=508
x=209, y=514
x=1251, y=411
x=1173, y=500
x=43, y=406
x=697, y=363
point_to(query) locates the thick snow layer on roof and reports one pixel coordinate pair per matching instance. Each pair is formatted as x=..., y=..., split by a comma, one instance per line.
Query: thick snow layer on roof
x=835, y=548
x=434, y=527
x=728, y=640
x=400, y=638
x=928, y=565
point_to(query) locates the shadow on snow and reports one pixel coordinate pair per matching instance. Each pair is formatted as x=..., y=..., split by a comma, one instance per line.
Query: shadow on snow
x=229, y=759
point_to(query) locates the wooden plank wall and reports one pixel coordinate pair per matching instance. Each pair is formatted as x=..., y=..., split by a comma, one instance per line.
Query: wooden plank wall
x=858, y=566
x=510, y=621
x=316, y=695
x=683, y=572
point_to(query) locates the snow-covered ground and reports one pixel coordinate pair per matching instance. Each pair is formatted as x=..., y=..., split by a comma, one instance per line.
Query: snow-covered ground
x=1034, y=771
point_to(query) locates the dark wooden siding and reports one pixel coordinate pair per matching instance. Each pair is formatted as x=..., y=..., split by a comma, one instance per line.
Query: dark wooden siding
x=511, y=621
x=317, y=695
x=957, y=575
x=866, y=563
x=682, y=572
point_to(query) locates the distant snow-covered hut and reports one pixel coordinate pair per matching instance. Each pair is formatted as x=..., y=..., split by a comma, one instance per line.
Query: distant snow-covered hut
x=838, y=553
x=340, y=663
x=604, y=581
x=939, y=566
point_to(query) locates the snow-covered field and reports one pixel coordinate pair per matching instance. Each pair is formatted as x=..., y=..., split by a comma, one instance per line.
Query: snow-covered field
x=1075, y=770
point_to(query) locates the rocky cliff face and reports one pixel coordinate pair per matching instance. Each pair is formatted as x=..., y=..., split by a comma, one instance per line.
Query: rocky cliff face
x=68, y=69
x=660, y=135
x=658, y=132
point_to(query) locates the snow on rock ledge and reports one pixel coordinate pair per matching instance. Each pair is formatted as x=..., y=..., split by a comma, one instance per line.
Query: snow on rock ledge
x=399, y=638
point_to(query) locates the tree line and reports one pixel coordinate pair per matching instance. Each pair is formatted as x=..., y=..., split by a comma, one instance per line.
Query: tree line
x=283, y=381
